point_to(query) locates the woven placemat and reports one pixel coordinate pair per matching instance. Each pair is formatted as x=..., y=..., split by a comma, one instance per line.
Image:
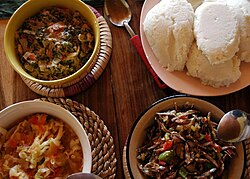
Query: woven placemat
x=247, y=158
x=124, y=163
x=245, y=172
x=102, y=146
x=88, y=79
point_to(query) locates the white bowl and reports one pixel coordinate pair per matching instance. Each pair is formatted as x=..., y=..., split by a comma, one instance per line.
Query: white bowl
x=13, y=113
x=146, y=119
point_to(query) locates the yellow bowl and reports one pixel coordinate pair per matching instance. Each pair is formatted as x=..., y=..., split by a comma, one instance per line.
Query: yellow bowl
x=30, y=8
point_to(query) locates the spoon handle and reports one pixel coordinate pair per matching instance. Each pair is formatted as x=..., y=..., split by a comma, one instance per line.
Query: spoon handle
x=138, y=45
x=129, y=29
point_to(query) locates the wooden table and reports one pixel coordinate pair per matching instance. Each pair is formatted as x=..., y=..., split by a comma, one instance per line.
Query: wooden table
x=123, y=91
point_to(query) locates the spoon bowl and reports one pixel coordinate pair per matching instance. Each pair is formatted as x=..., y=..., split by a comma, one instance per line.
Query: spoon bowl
x=119, y=14
x=234, y=126
x=81, y=175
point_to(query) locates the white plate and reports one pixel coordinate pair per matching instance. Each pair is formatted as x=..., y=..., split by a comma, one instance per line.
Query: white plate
x=181, y=82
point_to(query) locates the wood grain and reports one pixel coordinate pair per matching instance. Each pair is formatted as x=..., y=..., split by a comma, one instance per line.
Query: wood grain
x=123, y=91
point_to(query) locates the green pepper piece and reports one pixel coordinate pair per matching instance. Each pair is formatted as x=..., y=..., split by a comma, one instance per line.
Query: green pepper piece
x=166, y=156
x=183, y=172
x=201, y=137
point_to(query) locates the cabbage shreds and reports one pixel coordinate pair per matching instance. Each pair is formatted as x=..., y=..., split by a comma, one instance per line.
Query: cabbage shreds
x=36, y=152
x=40, y=146
x=16, y=171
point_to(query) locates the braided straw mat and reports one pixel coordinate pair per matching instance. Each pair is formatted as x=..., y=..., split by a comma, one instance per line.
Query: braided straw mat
x=101, y=141
x=247, y=158
x=88, y=79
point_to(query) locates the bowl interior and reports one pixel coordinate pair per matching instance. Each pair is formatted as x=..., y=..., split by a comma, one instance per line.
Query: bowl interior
x=29, y=9
x=137, y=134
x=15, y=112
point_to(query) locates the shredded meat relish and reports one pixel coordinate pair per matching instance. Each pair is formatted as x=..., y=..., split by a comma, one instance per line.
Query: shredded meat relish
x=54, y=43
x=183, y=144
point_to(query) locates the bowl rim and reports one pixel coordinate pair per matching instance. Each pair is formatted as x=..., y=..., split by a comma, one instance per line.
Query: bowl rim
x=43, y=106
x=66, y=79
x=127, y=150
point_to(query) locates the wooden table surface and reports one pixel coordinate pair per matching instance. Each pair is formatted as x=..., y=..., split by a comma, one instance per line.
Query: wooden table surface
x=123, y=91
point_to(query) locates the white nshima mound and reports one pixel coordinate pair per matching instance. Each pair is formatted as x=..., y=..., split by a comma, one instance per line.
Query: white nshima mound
x=168, y=27
x=216, y=31
x=242, y=7
x=216, y=75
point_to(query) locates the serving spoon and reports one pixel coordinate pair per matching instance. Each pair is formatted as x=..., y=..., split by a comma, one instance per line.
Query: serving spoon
x=81, y=175
x=234, y=126
x=119, y=14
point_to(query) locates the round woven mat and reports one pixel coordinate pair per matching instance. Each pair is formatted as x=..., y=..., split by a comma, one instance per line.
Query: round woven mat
x=87, y=79
x=124, y=164
x=245, y=172
x=101, y=141
x=247, y=158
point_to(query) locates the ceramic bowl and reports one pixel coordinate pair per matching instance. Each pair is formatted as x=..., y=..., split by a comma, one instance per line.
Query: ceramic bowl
x=13, y=113
x=146, y=119
x=32, y=7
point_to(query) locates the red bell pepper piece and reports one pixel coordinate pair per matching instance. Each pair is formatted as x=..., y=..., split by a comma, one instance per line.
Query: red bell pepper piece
x=208, y=137
x=167, y=145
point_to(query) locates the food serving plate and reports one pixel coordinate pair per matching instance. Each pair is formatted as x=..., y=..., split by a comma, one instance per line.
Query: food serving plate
x=233, y=169
x=180, y=81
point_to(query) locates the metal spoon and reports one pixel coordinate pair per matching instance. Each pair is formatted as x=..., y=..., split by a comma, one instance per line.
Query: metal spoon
x=119, y=14
x=81, y=175
x=234, y=126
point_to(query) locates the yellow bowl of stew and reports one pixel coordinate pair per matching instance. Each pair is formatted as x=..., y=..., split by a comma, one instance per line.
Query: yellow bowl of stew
x=45, y=141
x=49, y=50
